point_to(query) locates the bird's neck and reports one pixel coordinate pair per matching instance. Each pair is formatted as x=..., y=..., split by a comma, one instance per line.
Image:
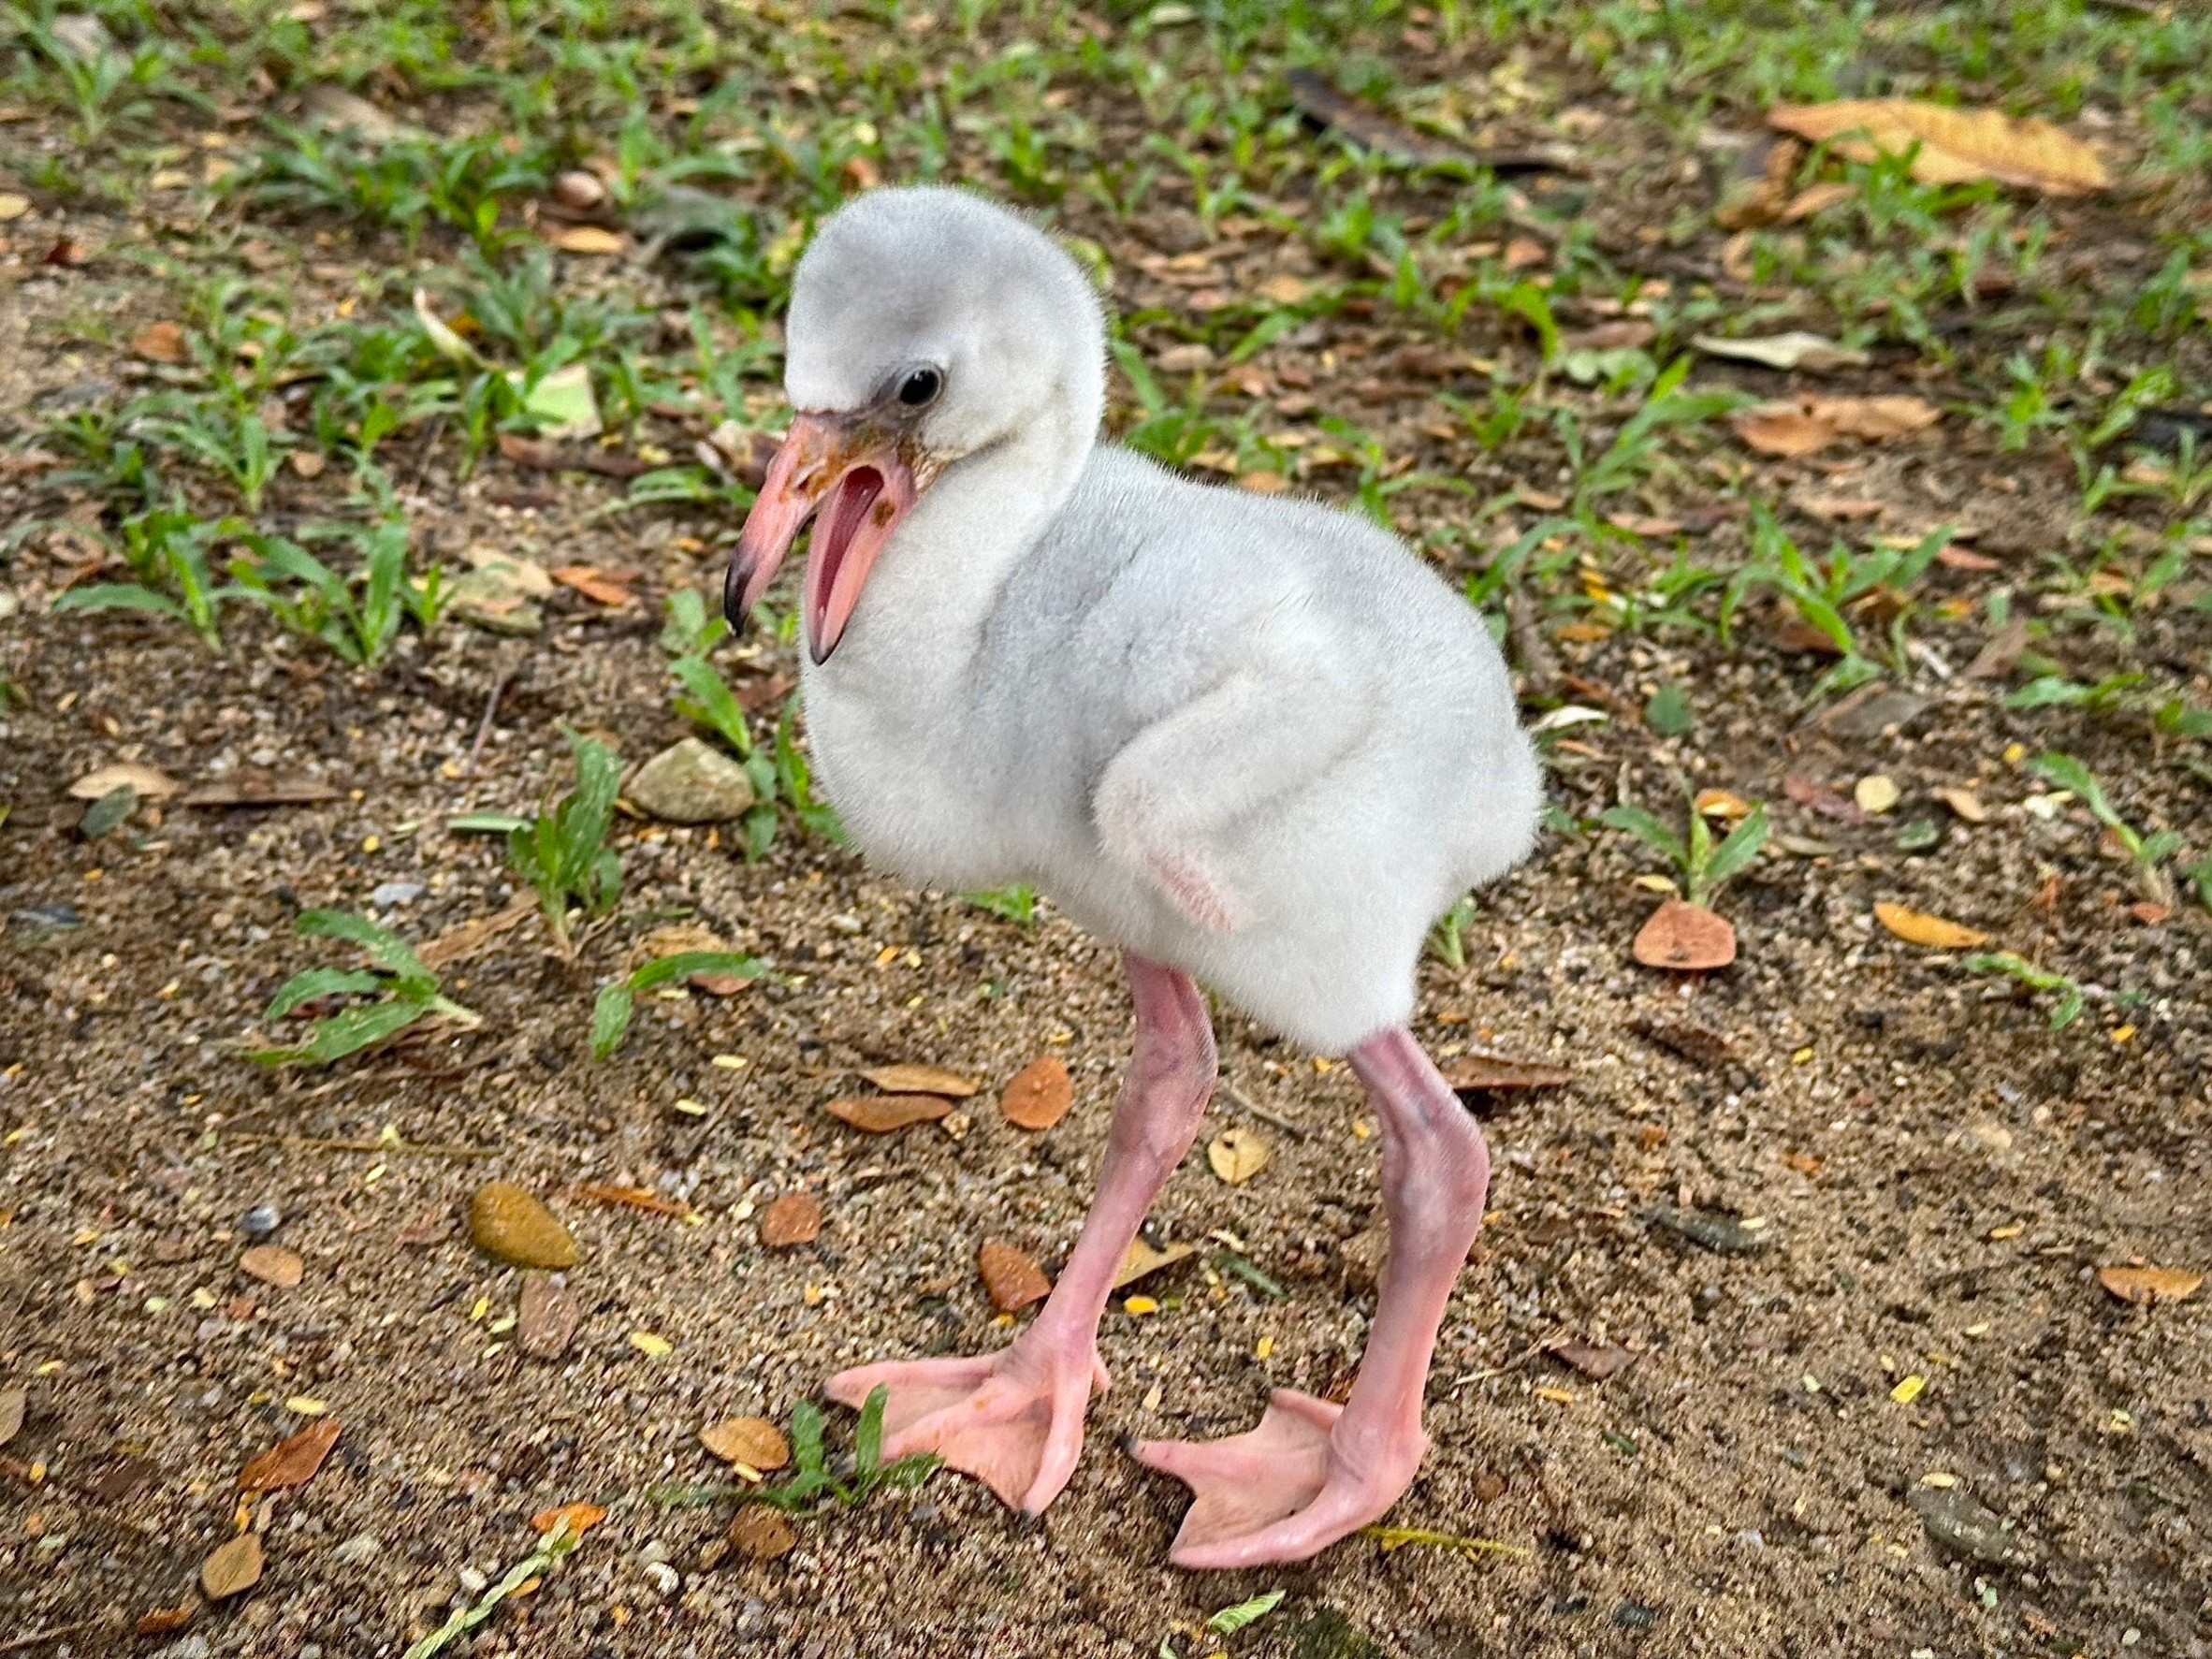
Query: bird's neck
x=922, y=617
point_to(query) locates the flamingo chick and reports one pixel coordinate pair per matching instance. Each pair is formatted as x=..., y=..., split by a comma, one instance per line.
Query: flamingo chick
x=1253, y=742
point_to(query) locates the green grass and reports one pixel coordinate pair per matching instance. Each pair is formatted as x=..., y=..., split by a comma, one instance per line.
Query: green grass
x=395, y=992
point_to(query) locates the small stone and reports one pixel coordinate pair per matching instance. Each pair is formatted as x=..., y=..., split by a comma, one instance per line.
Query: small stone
x=689, y=782
x=760, y=1534
x=510, y=1225
x=496, y=597
x=753, y=1441
x=260, y=1221
x=546, y=1317
x=579, y=191
x=1987, y=1136
x=795, y=1218
x=1724, y=1235
x=360, y=1549
x=1866, y=717
x=272, y=1264
x=1876, y=794
x=391, y=894
x=233, y=1568
x=1962, y=1524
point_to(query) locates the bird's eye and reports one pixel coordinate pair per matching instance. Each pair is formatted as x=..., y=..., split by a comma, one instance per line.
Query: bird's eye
x=919, y=386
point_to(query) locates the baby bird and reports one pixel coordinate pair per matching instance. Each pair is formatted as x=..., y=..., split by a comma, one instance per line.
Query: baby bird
x=1255, y=742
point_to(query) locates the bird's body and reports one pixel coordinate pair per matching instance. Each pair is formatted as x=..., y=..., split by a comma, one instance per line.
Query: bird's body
x=1380, y=778
x=1252, y=740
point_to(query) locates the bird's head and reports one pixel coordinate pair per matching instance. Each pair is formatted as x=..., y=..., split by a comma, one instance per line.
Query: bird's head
x=927, y=326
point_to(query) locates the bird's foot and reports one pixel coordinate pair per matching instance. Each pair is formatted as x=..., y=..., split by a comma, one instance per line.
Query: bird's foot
x=1282, y=1492
x=1013, y=1419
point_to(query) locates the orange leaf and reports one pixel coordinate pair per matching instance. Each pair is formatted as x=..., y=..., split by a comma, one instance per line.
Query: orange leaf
x=1038, y=1095
x=1011, y=1278
x=578, y=1518
x=161, y=342
x=878, y=1115
x=1955, y=146
x=2149, y=1284
x=919, y=1080
x=636, y=1198
x=292, y=1463
x=795, y=1218
x=1472, y=1072
x=593, y=585
x=1916, y=928
x=1684, y=935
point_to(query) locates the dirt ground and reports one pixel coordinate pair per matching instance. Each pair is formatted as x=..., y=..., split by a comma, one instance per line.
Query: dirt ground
x=1908, y=1173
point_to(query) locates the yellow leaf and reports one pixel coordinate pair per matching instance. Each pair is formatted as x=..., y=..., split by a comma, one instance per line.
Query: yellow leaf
x=1238, y=1155
x=306, y=1405
x=656, y=1348
x=2149, y=1284
x=1955, y=146
x=1917, y=928
x=1908, y=1390
x=1557, y=1396
x=1140, y=1305
x=1876, y=794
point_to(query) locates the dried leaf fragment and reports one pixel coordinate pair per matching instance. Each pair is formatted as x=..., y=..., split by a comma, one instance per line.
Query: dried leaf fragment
x=795, y=1218
x=1916, y=927
x=1805, y=424
x=1038, y=1095
x=291, y=1463
x=907, y=1079
x=234, y=1568
x=1012, y=1280
x=1238, y=1154
x=1797, y=349
x=1686, y=937
x=587, y=239
x=758, y=1534
x=578, y=1519
x=879, y=1114
x=2149, y=1284
x=272, y=1264
x=1597, y=1360
x=753, y=1441
x=1954, y=146
x=14, y=1401
x=1142, y=1261
x=161, y=342
x=1476, y=1074
x=167, y=1621
x=149, y=783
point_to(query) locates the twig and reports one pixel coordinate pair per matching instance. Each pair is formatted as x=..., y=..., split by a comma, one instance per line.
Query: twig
x=1229, y=1092
x=400, y=1148
x=491, y=708
x=1515, y=1363
x=40, y=1638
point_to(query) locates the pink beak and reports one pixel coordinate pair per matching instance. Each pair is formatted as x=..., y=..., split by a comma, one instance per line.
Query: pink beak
x=851, y=469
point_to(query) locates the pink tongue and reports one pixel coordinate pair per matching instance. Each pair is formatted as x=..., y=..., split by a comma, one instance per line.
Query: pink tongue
x=834, y=531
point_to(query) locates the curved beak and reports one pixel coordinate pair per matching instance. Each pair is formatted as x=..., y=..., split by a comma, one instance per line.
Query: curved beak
x=854, y=471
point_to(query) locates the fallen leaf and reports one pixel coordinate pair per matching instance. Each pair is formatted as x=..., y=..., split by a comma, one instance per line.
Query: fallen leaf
x=256, y=788
x=1804, y=1162
x=587, y=239
x=1954, y=146
x=758, y=1534
x=578, y=1519
x=1142, y=1261
x=921, y=1080
x=545, y=1317
x=1283, y=290
x=1875, y=794
x=1038, y=1095
x=1964, y=559
x=879, y=1114
x=1694, y=1044
x=14, y=1401
x=1684, y=935
x=291, y=1463
x=234, y=1568
x=1916, y=928
x=1476, y=1074
x=588, y=580
x=562, y=403
x=1238, y=1154
x=458, y=943
x=651, y=1343
x=272, y=1264
x=150, y=784
x=1836, y=508
x=1817, y=797
x=1818, y=198
x=1597, y=1360
x=161, y=342
x=1804, y=425
x=2149, y=1284
x=633, y=1198
x=1816, y=354
x=435, y=1227
x=167, y=1621
x=1723, y=803
x=1783, y=428
x=795, y=1218
x=753, y=1441
x=13, y=206
x=1965, y=803
x=1724, y=1235
x=579, y=192
x=1012, y=1280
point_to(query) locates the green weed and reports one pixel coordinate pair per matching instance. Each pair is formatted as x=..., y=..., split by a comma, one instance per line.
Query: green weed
x=611, y=1012
x=1705, y=866
x=562, y=852
x=399, y=990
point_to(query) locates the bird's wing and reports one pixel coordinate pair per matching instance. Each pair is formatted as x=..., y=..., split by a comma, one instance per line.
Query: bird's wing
x=1288, y=705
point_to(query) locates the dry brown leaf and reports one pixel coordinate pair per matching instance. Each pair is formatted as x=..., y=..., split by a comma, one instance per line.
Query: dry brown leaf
x=236, y=1566
x=2149, y=1284
x=14, y=1403
x=1594, y=1360
x=1012, y=1280
x=795, y=1218
x=457, y=944
x=291, y=1463
x=545, y=1317
x=1038, y=1095
x=921, y=1080
x=1892, y=416
x=1965, y=803
x=753, y=1441
x=879, y=1114
x=1916, y=927
x=758, y=1534
x=1818, y=198
x=1684, y=935
x=587, y=239
x=1783, y=428
x=161, y=342
x=272, y=1264
x=253, y=787
x=167, y=1621
x=1837, y=507
x=1804, y=425
x=1142, y=1261
x=1955, y=146
x=593, y=584
x=634, y=1198
x=1471, y=1074
x=151, y=784
x=578, y=1518
x=1238, y=1154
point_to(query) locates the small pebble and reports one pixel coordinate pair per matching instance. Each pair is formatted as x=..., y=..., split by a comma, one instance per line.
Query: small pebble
x=396, y=893
x=360, y=1549
x=260, y=1221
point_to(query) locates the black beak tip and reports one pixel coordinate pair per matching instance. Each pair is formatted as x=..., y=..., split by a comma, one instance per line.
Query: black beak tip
x=734, y=586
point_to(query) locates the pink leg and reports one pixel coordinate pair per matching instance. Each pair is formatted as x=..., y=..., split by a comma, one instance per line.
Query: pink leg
x=1014, y=1418
x=1312, y=1472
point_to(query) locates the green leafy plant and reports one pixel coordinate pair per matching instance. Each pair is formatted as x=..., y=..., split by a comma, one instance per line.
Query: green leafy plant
x=610, y=1014
x=311, y=598
x=1448, y=938
x=1017, y=904
x=2071, y=996
x=1705, y=866
x=562, y=852
x=2148, y=853
x=814, y=1486
x=399, y=990
x=1230, y=1620
x=166, y=549
x=535, y=1568
x=1823, y=595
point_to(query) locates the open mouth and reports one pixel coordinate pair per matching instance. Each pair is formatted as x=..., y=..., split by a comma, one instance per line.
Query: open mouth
x=837, y=524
